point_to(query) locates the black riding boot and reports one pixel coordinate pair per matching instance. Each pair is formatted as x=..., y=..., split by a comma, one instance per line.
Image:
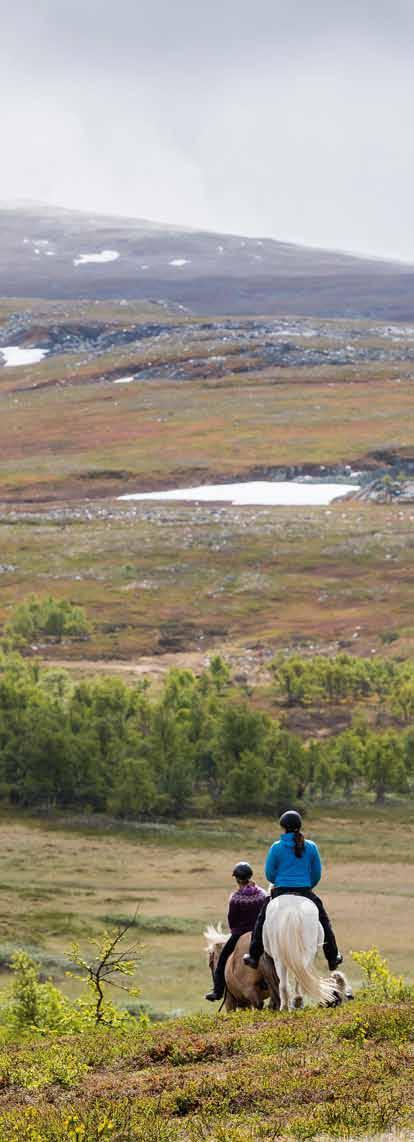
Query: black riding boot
x=330, y=947
x=256, y=949
x=219, y=971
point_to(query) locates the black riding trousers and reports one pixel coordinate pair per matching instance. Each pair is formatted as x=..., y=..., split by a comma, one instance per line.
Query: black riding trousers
x=218, y=974
x=330, y=946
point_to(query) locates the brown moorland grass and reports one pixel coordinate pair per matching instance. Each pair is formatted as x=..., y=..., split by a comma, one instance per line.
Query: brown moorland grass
x=226, y=577
x=163, y=432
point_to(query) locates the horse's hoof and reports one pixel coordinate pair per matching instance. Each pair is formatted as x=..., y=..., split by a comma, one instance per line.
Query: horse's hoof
x=212, y=997
x=335, y=1001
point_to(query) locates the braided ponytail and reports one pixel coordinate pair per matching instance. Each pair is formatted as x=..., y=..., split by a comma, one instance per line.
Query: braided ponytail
x=299, y=843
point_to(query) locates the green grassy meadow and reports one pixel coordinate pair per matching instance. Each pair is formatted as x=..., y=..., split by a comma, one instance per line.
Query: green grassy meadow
x=62, y=881
x=205, y=1076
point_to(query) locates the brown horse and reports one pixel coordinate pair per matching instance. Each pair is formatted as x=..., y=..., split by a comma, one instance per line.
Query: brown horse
x=244, y=986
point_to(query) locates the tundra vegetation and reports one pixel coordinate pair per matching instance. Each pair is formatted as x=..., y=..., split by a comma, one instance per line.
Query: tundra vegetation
x=182, y=577
x=245, y=1076
x=122, y=798
x=181, y=422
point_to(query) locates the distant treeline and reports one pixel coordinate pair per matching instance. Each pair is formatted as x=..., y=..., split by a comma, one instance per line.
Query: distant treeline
x=197, y=747
x=318, y=680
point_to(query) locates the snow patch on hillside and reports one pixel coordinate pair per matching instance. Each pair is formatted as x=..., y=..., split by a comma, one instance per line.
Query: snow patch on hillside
x=103, y=256
x=260, y=492
x=14, y=356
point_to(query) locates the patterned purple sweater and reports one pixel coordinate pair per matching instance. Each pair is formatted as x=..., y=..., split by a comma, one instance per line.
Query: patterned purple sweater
x=244, y=907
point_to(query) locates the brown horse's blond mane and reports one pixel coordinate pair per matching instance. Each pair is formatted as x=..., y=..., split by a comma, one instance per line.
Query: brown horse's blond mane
x=215, y=938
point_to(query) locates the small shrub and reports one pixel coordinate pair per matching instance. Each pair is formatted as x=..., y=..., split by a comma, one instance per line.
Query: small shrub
x=110, y=965
x=356, y=1031
x=49, y=618
x=35, y=1006
x=389, y=636
x=380, y=983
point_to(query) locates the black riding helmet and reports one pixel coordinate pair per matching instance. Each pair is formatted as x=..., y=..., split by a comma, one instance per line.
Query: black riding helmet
x=291, y=821
x=242, y=870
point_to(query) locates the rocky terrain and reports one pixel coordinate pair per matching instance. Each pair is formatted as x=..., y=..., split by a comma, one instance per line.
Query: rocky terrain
x=53, y=253
x=185, y=348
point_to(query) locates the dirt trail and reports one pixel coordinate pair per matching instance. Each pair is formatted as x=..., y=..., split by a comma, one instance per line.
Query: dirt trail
x=155, y=666
x=248, y=664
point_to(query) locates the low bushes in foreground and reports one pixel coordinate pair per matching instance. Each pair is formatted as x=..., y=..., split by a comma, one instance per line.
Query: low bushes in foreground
x=341, y=1073
x=233, y=1078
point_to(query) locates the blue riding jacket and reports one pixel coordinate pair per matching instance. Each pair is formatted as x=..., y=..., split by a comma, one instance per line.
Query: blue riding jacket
x=285, y=870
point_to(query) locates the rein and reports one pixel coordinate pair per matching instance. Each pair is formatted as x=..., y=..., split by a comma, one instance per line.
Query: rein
x=226, y=993
x=223, y=1001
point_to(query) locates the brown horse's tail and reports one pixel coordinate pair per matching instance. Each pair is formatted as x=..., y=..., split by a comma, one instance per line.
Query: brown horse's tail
x=292, y=953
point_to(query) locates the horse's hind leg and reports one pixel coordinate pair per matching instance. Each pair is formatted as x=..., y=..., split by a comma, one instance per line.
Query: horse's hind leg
x=272, y=980
x=298, y=1000
x=255, y=998
x=284, y=989
x=230, y=1002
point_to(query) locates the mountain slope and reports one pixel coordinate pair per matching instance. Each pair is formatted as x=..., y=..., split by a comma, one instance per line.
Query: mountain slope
x=54, y=253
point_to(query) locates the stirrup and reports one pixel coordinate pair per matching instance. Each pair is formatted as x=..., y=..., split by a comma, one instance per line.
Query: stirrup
x=250, y=960
x=339, y=959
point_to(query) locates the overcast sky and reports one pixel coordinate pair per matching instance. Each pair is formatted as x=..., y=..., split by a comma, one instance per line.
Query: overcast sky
x=286, y=118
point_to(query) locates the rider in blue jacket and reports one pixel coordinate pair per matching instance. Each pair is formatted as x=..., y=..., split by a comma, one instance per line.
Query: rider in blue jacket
x=293, y=865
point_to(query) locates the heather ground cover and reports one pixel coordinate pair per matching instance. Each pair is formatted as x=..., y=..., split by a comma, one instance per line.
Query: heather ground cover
x=68, y=431
x=187, y=578
x=62, y=434
x=182, y=578
x=249, y=1076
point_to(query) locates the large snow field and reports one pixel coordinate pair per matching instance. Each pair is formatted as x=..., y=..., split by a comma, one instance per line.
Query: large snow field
x=288, y=493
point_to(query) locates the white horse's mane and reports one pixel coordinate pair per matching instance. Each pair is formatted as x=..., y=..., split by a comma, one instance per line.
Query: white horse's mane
x=215, y=937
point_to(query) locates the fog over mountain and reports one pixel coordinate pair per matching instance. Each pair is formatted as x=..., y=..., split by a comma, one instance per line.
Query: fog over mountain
x=286, y=119
x=50, y=253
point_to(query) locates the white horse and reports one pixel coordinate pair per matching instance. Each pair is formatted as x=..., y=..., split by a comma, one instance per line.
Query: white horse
x=292, y=935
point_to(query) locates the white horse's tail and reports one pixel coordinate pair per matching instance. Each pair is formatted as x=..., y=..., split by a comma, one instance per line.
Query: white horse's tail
x=292, y=953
